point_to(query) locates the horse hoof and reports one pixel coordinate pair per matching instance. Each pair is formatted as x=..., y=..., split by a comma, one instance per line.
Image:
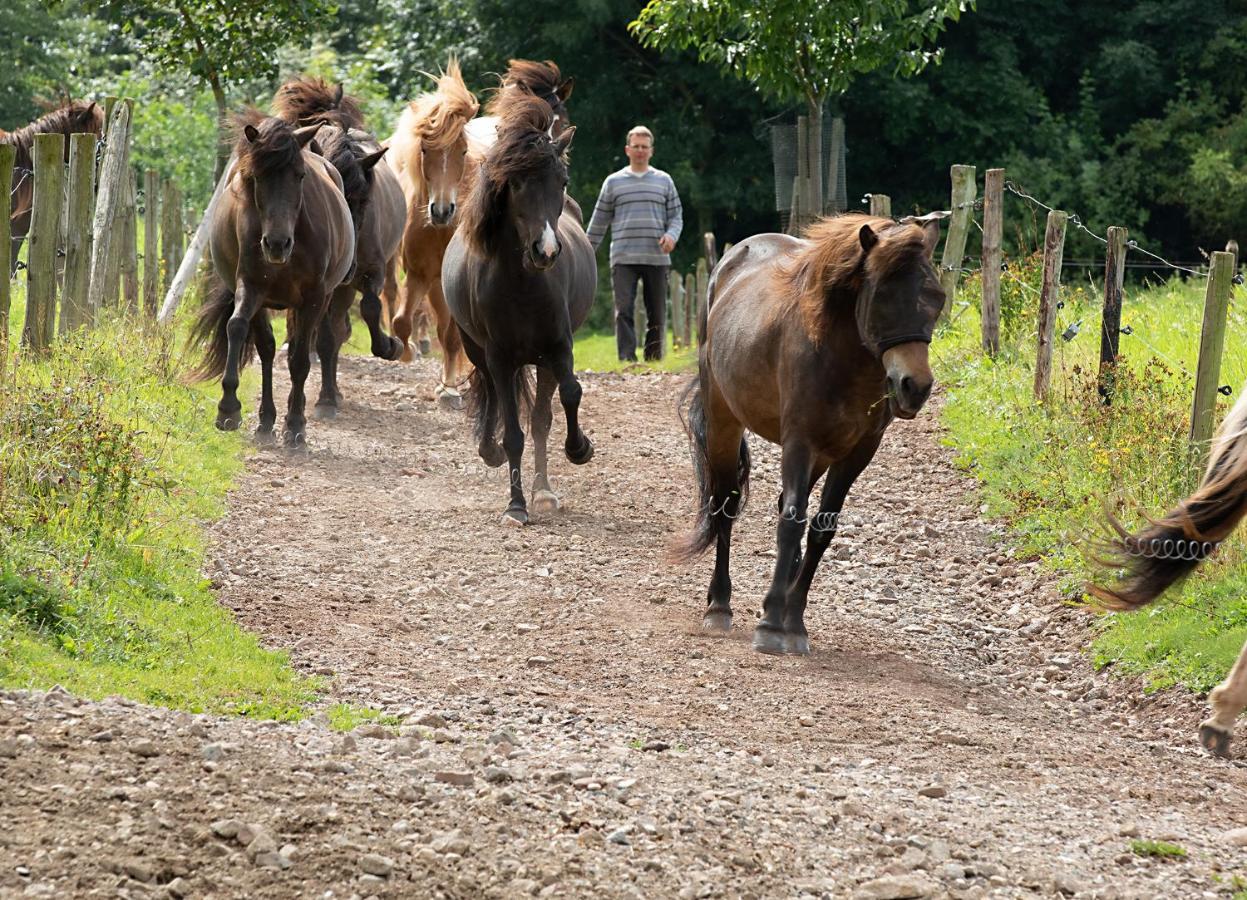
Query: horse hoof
x=229, y=423
x=796, y=644
x=396, y=349
x=492, y=454
x=768, y=640
x=1216, y=740
x=406, y=355
x=293, y=440
x=325, y=412
x=265, y=437
x=449, y=399
x=546, y=502
x=717, y=620
x=426, y=347
x=582, y=455
x=515, y=518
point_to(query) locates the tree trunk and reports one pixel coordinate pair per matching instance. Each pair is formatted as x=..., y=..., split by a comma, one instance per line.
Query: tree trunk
x=814, y=146
x=223, y=129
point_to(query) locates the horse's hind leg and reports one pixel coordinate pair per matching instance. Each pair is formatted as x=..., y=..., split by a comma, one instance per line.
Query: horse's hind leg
x=237, y=329
x=726, y=460
x=331, y=334
x=1228, y=699
x=768, y=635
x=371, y=310
x=486, y=413
x=452, y=348
x=299, y=361
x=409, y=295
x=512, y=438
x=266, y=349
x=544, y=498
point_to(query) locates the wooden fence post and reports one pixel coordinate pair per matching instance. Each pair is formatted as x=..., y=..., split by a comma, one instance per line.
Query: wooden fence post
x=8, y=159
x=151, y=254
x=958, y=230
x=690, y=309
x=803, y=169
x=188, y=262
x=1053, y=253
x=1110, y=329
x=75, y=312
x=993, y=229
x=129, y=244
x=703, y=282
x=1231, y=246
x=678, y=321
x=881, y=205
x=170, y=233
x=710, y=248
x=47, y=159
x=108, y=204
x=1211, y=345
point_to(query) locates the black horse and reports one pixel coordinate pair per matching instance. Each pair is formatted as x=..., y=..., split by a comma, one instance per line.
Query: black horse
x=519, y=277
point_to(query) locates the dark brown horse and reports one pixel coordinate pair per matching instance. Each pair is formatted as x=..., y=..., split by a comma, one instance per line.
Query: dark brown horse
x=77, y=117
x=542, y=80
x=1172, y=547
x=282, y=238
x=814, y=344
x=519, y=276
x=378, y=212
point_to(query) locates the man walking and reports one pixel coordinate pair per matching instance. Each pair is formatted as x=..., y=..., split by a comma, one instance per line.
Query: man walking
x=641, y=207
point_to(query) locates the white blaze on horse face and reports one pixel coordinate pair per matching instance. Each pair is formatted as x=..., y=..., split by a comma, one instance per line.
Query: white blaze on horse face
x=549, y=243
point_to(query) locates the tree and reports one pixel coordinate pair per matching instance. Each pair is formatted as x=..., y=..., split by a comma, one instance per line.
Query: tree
x=221, y=42
x=802, y=50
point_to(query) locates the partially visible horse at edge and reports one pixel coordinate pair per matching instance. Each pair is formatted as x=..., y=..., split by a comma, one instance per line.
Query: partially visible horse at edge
x=76, y=117
x=429, y=150
x=282, y=238
x=815, y=344
x=378, y=212
x=520, y=276
x=1171, y=548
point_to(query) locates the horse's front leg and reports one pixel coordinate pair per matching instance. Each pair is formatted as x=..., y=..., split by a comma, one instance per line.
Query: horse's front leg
x=452, y=348
x=544, y=498
x=578, y=447
x=304, y=321
x=331, y=334
x=1228, y=700
x=371, y=310
x=229, y=410
x=768, y=635
x=410, y=296
x=266, y=349
x=504, y=376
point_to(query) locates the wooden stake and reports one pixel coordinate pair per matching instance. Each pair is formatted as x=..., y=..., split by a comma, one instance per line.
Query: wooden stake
x=108, y=204
x=881, y=205
x=170, y=233
x=993, y=229
x=1053, y=253
x=151, y=254
x=75, y=311
x=48, y=156
x=958, y=230
x=129, y=259
x=677, y=307
x=710, y=248
x=1211, y=345
x=1110, y=328
x=199, y=243
x=703, y=282
x=8, y=159
x=690, y=309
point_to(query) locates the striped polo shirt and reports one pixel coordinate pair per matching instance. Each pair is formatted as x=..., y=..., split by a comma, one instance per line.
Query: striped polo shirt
x=639, y=209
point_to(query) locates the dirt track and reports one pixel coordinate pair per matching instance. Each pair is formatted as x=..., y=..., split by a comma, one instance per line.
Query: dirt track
x=946, y=737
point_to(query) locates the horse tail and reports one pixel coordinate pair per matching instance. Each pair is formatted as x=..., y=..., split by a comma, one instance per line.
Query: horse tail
x=210, y=330
x=481, y=391
x=713, y=494
x=1172, y=547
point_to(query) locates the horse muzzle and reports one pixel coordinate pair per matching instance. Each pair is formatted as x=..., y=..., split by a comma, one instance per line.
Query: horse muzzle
x=536, y=259
x=276, y=251
x=909, y=378
x=440, y=214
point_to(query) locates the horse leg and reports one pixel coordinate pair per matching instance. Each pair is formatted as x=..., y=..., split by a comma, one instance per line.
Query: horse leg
x=1228, y=700
x=421, y=328
x=795, y=473
x=452, y=348
x=266, y=349
x=299, y=360
x=408, y=296
x=544, y=498
x=487, y=415
x=578, y=447
x=331, y=334
x=505, y=376
x=229, y=410
x=371, y=310
x=724, y=437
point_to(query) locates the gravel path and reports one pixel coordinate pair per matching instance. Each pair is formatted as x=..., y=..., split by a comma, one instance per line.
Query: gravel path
x=567, y=731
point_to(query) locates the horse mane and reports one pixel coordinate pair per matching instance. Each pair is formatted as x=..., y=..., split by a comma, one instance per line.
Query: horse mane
x=274, y=148
x=437, y=118
x=523, y=146
x=75, y=116
x=541, y=79
x=343, y=152
x=305, y=101
x=831, y=266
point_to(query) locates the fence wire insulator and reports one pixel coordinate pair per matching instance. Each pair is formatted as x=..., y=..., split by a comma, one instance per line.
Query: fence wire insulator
x=19, y=265
x=1125, y=329
x=1060, y=304
x=1238, y=278
x=1072, y=332
x=1225, y=390
x=60, y=252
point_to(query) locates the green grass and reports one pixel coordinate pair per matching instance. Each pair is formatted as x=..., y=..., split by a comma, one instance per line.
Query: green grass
x=595, y=352
x=345, y=717
x=109, y=466
x=1047, y=469
x=1161, y=849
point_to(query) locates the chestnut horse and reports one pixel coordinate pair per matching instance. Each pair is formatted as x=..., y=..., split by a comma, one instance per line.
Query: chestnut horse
x=520, y=277
x=814, y=344
x=281, y=238
x=76, y=117
x=378, y=212
x=429, y=149
x=1171, y=548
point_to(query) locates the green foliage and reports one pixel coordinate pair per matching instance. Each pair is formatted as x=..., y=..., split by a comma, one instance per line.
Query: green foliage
x=1161, y=849
x=801, y=50
x=346, y=717
x=1048, y=469
x=49, y=50
x=596, y=352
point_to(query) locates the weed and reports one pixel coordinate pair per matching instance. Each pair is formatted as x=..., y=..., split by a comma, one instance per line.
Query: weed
x=1162, y=849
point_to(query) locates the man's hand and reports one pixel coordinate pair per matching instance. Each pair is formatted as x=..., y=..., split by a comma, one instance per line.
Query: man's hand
x=666, y=243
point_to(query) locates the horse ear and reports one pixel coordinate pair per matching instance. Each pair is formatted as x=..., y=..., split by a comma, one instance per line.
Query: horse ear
x=316, y=148
x=367, y=162
x=251, y=132
x=564, y=90
x=304, y=135
x=867, y=236
x=337, y=96
x=931, y=236
x=564, y=140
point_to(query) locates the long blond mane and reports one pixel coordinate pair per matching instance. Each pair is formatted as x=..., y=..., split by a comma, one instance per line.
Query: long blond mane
x=435, y=119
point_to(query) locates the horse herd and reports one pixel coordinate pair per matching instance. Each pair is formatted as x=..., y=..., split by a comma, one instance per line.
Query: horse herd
x=816, y=343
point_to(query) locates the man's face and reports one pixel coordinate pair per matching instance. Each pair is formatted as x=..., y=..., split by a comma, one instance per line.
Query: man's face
x=640, y=148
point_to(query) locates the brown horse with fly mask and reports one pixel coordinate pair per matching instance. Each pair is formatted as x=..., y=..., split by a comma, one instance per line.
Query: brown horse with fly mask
x=815, y=344
x=282, y=238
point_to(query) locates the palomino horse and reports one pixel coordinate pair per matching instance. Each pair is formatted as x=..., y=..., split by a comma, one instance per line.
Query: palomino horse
x=378, y=212
x=76, y=117
x=282, y=238
x=816, y=345
x=541, y=79
x=429, y=149
x=520, y=277
x=1172, y=547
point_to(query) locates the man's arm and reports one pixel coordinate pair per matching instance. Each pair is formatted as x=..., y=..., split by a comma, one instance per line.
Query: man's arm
x=675, y=214
x=603, y=213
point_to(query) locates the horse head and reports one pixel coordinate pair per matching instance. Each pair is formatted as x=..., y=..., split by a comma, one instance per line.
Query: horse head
x=270, y=162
